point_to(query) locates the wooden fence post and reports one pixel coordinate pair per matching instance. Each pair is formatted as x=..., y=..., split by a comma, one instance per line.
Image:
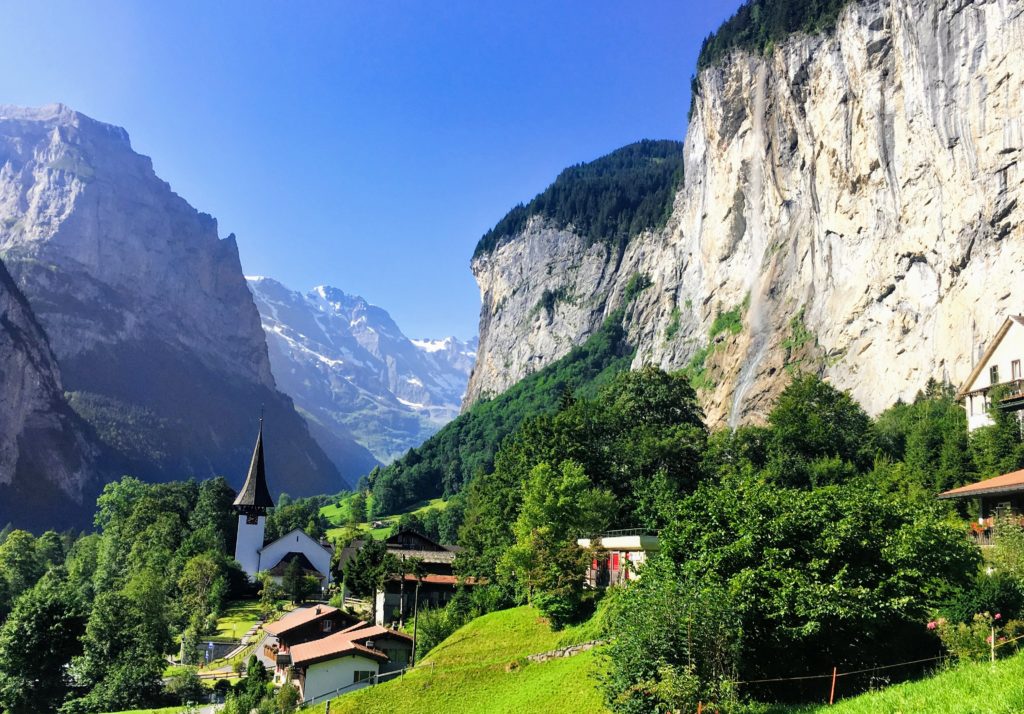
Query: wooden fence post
x=832, y=694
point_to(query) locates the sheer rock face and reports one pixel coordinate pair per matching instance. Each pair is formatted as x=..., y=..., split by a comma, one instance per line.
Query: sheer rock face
x=146, y=308
x=349, y=367
x=860, y=192
x=47, y=459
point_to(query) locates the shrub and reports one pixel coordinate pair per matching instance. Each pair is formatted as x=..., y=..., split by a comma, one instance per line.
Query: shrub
x=638, y=282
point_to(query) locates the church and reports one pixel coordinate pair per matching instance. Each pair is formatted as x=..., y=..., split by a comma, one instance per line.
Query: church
x=251, y=552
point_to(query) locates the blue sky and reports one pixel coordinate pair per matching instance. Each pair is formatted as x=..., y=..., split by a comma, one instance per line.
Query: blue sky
x=366, y=145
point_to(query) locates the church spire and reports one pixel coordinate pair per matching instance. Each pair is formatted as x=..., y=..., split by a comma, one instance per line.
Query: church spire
x=255, y=496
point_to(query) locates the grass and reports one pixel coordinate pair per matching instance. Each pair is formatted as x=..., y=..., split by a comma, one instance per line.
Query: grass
x=238, y=618
x=482, y=668
x=977, y=688
x=338, y=515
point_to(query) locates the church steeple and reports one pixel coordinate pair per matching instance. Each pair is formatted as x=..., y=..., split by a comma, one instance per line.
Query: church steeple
x=251, y=505
x=254, y=498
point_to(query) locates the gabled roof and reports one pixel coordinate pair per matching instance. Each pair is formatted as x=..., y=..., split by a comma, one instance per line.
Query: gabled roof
x=282, y=565
x=348, y=642
x=1012, y=482
x=254, y=493
x=298, y=618
x=332, y=647
x=993, y=344
x=393, y=542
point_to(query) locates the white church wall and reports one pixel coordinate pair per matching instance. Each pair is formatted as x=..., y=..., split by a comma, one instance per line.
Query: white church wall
x=248, y=544
x=296, y=542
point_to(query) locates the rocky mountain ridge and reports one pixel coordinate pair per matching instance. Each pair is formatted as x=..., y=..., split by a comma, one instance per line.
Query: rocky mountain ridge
x=145, y=307
x=350, y=368
x=851, y=206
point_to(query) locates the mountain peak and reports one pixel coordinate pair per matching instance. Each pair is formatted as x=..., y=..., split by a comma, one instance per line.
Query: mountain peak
x=54, y=115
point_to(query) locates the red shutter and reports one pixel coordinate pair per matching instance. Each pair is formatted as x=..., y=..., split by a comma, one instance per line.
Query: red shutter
x=593, y=565
x=615, y=561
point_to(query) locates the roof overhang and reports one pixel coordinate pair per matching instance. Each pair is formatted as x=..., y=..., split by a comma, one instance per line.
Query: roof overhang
x=974, y=493
x=965, y=388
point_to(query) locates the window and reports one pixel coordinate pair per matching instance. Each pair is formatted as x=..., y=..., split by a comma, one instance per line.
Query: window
x=1015, y=369
x=326, y=625
x=361, y=675
x=993, y=374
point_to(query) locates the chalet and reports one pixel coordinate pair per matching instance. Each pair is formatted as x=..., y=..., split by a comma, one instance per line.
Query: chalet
x=618, y=555
x=300, y=626
x=345, y=661
x=999, y=367
x=251, y=552
x=998, y=495
x=437, y=584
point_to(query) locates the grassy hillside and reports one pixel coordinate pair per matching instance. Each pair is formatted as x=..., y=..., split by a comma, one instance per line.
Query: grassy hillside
x=482, y=668
x=980, y=688
x=338, y=514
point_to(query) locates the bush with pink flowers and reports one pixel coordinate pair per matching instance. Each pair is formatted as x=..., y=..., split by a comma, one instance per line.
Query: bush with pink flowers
x=972, y=641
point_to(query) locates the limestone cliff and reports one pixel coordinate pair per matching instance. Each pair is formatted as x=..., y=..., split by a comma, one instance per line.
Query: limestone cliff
x=47, y=458
x=851, y=206
x=145, y=307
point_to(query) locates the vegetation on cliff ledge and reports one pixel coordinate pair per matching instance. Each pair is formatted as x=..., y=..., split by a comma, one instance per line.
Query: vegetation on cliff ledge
x=759, y=24
x=609, y=200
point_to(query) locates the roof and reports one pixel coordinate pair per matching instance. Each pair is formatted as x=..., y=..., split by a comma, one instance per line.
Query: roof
x=1007, y=483
x=282, y=565
x=980, y=365
x=427, y=556
x=432, y=579
x=332, y=647
x=254, y=493
x=350, y=641
x=298, y=618
x=363, y=634
x=393, y=541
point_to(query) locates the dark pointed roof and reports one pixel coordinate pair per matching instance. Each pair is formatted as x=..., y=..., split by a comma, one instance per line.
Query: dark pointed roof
x=254, y=493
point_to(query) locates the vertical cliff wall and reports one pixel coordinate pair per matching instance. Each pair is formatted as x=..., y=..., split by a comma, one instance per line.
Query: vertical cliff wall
x=851, y=206
x=47, y=458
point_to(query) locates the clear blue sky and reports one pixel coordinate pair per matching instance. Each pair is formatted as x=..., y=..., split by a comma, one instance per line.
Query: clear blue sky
x=366, y=145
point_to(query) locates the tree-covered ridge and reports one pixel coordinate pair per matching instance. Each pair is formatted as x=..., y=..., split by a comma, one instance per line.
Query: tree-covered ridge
x=610, y=199
x=759, y=24
x=467, y=445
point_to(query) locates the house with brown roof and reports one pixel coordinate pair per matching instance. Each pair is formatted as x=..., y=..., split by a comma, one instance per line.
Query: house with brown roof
x=996, y=375
x=300, y=626
x=345, y=661
x=1002, y=494
x=396, y=602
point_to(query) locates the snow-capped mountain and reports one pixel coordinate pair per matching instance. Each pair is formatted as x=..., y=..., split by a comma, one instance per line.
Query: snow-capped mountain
x=351, y=370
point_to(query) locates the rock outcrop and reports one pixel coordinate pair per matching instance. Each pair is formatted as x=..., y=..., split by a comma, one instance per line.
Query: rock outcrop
x=852, y=204
x=47, y=456
x=350, y=368
x=145, y=307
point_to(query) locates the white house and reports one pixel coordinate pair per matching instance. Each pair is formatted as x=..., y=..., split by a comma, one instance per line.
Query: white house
x=1000, y=365
x=252, y=554
x=618, y=555
x=346, y=661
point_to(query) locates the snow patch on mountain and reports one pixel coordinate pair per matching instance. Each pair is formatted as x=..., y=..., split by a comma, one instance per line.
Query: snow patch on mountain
x=347, y=364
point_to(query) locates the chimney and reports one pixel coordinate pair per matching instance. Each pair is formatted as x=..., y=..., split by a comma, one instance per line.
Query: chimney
x=317, y=609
